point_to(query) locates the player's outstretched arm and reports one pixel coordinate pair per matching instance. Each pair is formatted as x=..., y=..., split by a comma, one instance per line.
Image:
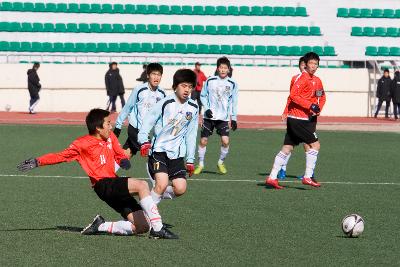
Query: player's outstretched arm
x=126, y=110
x=119, y=154
x=28, y=165
x=234, y=107
x=190, y=139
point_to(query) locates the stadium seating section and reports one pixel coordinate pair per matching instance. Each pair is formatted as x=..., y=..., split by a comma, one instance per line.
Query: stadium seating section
x=154, y=9
x=378, y=31
x=180, y=48
x=156, y=29
x=382, y=51
x=368, y=13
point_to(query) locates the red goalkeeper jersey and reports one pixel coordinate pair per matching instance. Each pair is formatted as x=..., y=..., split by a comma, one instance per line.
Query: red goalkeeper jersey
x=305, y=91
x=294, y=78
x=96, y=157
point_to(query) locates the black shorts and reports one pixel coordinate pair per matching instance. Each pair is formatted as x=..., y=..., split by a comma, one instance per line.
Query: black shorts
x=300, y=131
x=114, y=191
x=209, y=125
x=159, y=162
x=132, y=141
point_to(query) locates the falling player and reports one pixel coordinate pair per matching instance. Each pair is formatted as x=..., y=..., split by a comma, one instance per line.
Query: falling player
x=97, y=154
x=219, y=98
x=141, y=100
x=175, y=123
x=307, y=98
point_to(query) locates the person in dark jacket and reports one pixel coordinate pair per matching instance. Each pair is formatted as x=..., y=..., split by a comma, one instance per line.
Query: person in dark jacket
x=34, y=87
x=383, y=92
x=114, y=86
x=143, y=77
x=395, y=92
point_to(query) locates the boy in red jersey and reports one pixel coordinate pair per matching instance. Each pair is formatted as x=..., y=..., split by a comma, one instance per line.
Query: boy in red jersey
x=307, y=98
x=97, y=154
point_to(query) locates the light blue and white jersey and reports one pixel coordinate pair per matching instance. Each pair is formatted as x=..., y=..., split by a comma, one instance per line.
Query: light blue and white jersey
x=175, y=128
x=141, y=100
x=221, y=96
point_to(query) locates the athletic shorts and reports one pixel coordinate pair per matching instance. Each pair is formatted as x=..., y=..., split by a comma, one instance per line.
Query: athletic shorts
x=132, y=141
x=208, y=126
x=300, y=131
x=159, y=162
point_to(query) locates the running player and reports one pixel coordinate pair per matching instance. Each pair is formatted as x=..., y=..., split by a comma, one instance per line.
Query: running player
x=97, y=154
x=307, y=98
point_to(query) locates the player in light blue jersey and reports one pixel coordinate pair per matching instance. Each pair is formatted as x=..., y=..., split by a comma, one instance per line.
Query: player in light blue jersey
x=219, y=98
x=175, y=123
x=141, y=100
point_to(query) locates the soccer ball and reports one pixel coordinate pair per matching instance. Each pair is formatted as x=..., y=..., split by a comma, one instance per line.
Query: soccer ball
x=353, y=225
x=8, y=107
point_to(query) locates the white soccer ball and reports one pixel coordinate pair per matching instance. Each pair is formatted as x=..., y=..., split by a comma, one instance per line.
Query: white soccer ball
x=353, y=225
x=8, y=107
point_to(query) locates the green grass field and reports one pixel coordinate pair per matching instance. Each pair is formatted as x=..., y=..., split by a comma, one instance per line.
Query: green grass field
x=222, y=220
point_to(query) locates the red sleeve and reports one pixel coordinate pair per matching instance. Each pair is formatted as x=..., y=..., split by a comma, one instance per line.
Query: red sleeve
x=204, y=78
x=69, y=154
x=296, y=94
x=118, y=151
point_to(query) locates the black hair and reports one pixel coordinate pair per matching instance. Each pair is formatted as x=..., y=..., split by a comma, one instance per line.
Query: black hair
x=184, y=76
x=311, y=56
x=144, y=66
x=36, y=65
x=386, y=70
x=154, y=67
x=301, y=60
x=225, y=61
x=95, y=118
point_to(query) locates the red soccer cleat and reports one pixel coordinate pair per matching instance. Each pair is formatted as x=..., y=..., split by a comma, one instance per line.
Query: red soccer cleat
x=273, y=182
x=309, y=181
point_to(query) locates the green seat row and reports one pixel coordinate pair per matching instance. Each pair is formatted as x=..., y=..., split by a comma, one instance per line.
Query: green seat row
x=180, y=48
x=368, y=13
x=162, y=28
x=378, y=31
x=154, y=9
x=382, y=51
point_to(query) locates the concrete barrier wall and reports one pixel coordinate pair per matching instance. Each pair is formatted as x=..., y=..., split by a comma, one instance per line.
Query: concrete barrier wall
x=263, y=91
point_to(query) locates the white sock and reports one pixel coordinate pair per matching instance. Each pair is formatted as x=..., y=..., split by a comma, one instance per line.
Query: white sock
x=169, y=193
x=311, y=160
x=223, y=154
x=202, y=153
x=280, y=160
x=286, y=162
x=156, y=197
x=118, y=228
x=151, y=210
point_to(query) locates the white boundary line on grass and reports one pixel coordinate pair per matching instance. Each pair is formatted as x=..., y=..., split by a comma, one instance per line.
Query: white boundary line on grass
x=203, y=180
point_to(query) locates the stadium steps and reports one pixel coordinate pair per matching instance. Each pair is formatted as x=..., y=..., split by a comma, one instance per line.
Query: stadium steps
x=375, y=32
x=368, y=13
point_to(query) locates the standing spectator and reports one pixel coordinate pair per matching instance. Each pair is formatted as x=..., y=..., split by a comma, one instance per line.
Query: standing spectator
x=201, y=78
x=395, y=92
x=383, y=92
x=34, y=87
x=143, y=77
x=114, y=86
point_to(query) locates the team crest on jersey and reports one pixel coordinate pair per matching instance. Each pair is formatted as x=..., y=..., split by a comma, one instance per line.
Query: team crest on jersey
x=227, y=90
x=189, y=116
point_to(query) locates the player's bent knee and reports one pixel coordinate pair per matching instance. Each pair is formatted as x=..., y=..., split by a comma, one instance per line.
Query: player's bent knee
x=315, y=145
x=179, y=186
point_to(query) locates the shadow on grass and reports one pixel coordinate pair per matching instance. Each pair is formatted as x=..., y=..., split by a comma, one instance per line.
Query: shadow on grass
x=286, y=186
x=56, y=228
x=287, y=176
x=210, y=172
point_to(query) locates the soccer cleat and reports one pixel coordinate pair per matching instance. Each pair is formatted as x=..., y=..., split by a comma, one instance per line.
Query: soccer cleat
x=198, y=169
x=164, y=233
x=222, y=169
x=93, y=228
x=282, y=174
x=273, y=182
x=310, y=181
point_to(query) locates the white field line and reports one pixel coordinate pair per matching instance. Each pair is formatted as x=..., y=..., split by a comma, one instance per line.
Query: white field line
x=206, y=180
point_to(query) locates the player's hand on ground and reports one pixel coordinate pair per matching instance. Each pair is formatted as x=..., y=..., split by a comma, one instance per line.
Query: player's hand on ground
x=190, y=168
x=125, y=164
x=117, y=131
x=233, y=125
x=315, y=109
x=208, y=113
x=27, y=165
x=144, y=149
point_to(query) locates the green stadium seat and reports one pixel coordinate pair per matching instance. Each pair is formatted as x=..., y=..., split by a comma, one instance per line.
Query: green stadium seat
x=280, y=30
x=329, y=51
x=176, y=29
x=158, y=48
x=152, y=28
x=342, y=12
x=244, y=10
x=295, y=51
x=369, y=31
x=237, y=49
x=354, y=12
x=222, y=30
x=267, y=11
x=4, y=27
x=113, y=47
x=303, y=30
x=318, y=50
x=380, y=31
x=84, y=8
x=180, y=48
x=176, y=10
x=83, y=27
x=60, y=27
x=365, y=13
x=233, y=10
x=164, y=28
x=397, y=14
x=29, y=7
x=290, y=11
x=256, y=11
x=62, y=7
x=37, y=47
x=58, y=47
x=211, y=30
x=392, y=32
x=234, y=30
x=141, y=9
x=72, y=27
x=104, y=8
x=248, y=50
x=226, y=49
x=260, y=50
x=6, y=6
x=129, y=9
x=18, y=6
x=69, y=47
x=214, y=49
x=26, y=27
x=14, y=27
x=187, y=29
x=371, y=51
x=245, y=30
x=163, y=9
x=117, y=8
x=209, y=10
x=152, y=9
x=48, y=27
x=96, y=8
x=129, y=28
x=269, y=30
x=221, y=10
x=292, y=30
x=356, y=31
x=284, y=50
x=272, y=50
x=14, y=46
x=279, y=11
x=37, y=27
x=135, y=47
x=395, y=51
x=305, y=49
x=118, y=28
x=383, y=51
x=106, y=28
x=26, y=47
x=80, y=47
x=388, y=13
x=47, y=47
x=314, y=30
x=95, y=27
x=198, y=29
x=169, y=48
x=91, y=47
x=191, y=48
x=198, y=10
x=141, y=28
x=102, y=48
x=377, y=13
x=187, y=10
x=301, y=11
x=202, y=49
x=51, y=7
x=124, y=47
x=258, y=30
x=73, y=8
